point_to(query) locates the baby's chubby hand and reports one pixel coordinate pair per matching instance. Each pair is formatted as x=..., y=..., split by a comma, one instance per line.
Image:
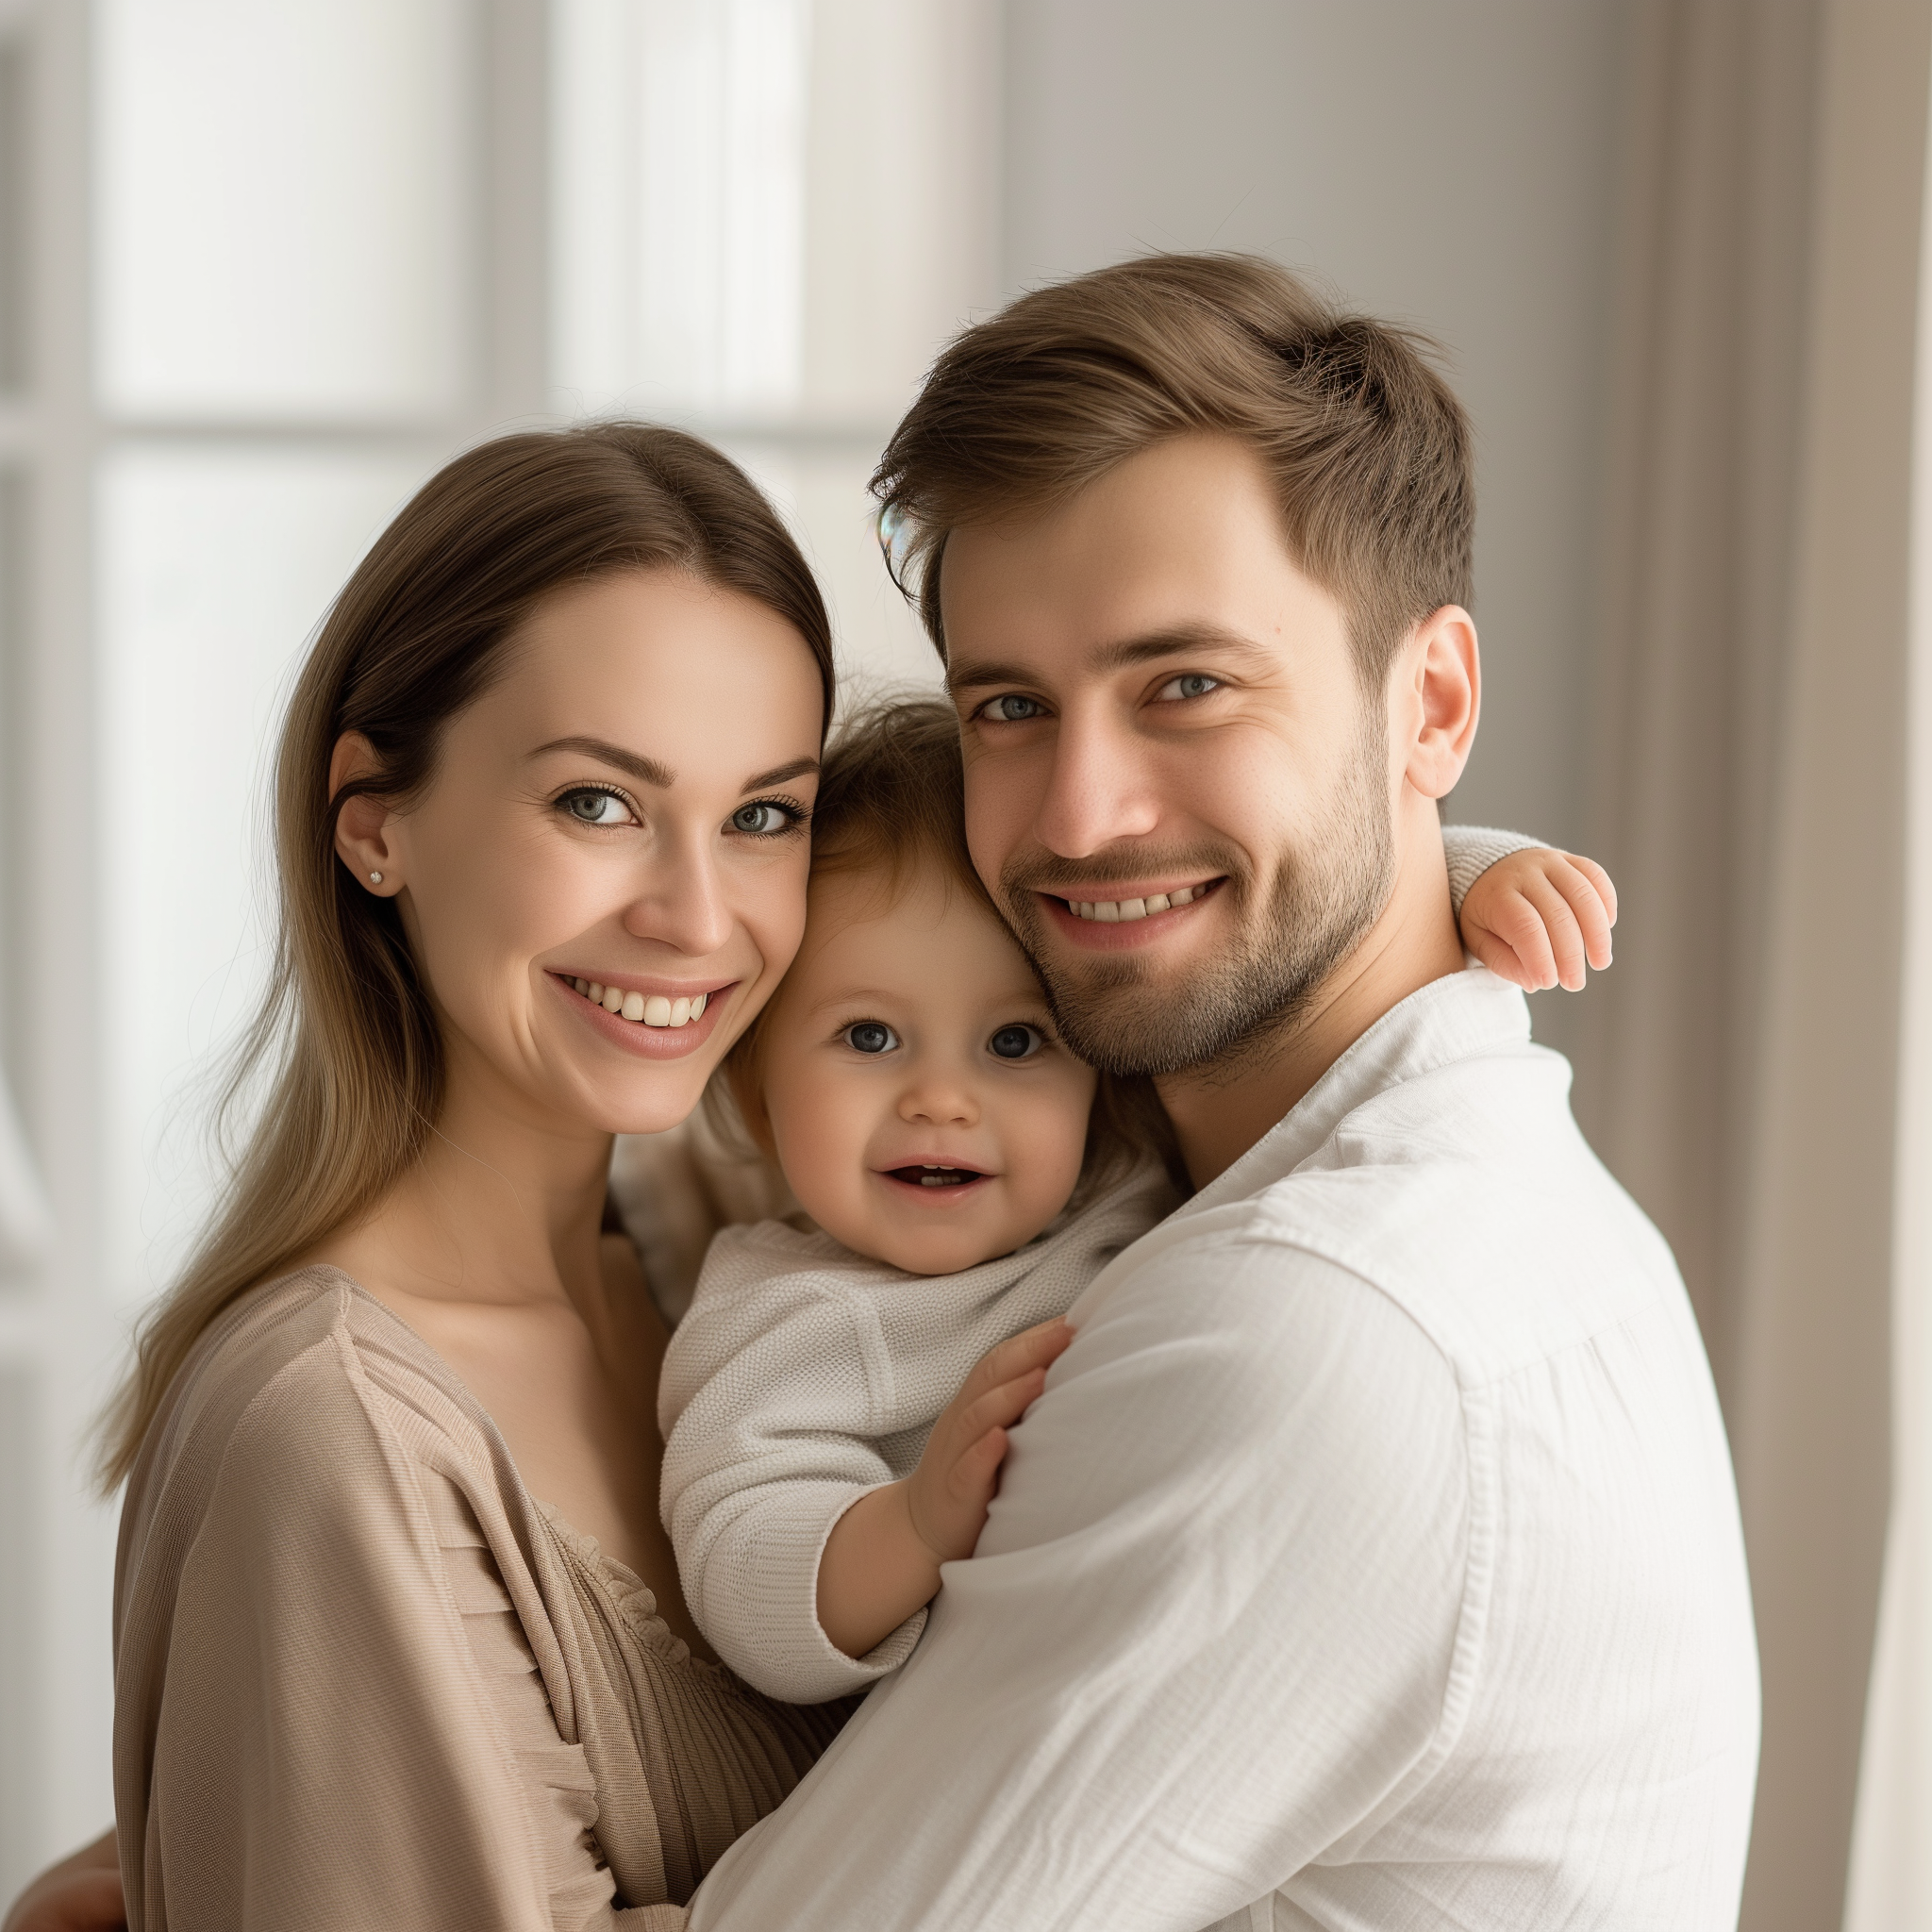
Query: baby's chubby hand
x=948, y=1494
x=1538, y=916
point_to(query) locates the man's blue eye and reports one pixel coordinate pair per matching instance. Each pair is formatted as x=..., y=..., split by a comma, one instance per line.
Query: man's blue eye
x=870, y=1036
x=1016, y=1042
x=1014, y=710
x=1191, y=684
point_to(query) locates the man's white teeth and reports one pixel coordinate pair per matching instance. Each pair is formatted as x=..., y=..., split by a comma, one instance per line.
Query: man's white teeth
x=1121, y=911
x=655, y=1010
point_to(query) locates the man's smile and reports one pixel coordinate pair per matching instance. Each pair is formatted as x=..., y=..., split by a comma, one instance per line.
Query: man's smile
x=1136, y=914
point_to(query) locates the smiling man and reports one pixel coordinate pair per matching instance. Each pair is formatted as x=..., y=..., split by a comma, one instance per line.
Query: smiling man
x=1373, y=1557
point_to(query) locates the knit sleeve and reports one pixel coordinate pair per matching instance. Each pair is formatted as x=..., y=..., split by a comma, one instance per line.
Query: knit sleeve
x=1471, y=851
x=770, y=1401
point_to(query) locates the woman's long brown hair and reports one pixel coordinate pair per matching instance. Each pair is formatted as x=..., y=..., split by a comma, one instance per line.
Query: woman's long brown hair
x=345, y=1048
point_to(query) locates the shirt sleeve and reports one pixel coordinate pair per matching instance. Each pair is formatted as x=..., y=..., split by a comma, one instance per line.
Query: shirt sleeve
x=766, y=1399
x=350, y=1734
x=1471, y=850
x=1211, y=1632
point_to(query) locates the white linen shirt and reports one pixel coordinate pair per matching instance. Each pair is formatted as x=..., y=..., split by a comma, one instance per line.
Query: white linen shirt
x=1373, y=1561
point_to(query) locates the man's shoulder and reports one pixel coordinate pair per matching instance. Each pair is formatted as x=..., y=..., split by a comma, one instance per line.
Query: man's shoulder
x=1467, y=1198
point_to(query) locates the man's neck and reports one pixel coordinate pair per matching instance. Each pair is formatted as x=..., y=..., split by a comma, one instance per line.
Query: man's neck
x=1220, y=1111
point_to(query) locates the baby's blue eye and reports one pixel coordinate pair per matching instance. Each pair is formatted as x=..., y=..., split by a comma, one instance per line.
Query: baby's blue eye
x=871, y=1036
x=1016, y=1042
x=1013, y=709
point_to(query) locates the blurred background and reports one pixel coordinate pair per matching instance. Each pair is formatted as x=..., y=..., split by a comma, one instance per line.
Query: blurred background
x=265, y=264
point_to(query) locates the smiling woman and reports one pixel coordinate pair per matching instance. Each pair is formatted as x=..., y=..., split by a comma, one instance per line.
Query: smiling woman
x=540, y=822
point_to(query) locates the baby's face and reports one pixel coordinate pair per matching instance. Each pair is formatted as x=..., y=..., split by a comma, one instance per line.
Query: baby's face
x=922, y=1106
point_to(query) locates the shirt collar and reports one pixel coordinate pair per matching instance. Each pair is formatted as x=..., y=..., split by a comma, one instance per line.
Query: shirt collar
x=1462, y=1016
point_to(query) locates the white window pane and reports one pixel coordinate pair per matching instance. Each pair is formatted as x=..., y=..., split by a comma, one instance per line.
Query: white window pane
x=216, y=568
x=679, y=203
x=283, y=215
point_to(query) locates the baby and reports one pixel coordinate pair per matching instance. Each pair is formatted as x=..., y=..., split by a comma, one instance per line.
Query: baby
x=836, y=1402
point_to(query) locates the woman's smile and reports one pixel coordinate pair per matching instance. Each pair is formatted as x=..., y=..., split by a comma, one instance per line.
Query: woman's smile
x=653, y=1023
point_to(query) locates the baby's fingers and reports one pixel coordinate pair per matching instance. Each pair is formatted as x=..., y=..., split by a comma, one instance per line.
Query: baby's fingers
x=995, y=1408
x=1033, y=1348
x=1563, y=934
x=1522, y=927
x=1592, y=900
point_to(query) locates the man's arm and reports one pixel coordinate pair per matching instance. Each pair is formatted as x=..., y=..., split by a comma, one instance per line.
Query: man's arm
x=1211, y=1629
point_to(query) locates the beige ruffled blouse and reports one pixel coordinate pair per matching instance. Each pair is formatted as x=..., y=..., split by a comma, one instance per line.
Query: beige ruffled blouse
x=363, y=1679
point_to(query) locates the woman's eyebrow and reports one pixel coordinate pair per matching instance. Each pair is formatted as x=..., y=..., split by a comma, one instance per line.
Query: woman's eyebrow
x=798, y=768
x=645, y=771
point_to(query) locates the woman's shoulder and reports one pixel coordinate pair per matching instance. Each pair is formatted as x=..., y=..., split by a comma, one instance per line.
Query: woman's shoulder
x=288, y=1393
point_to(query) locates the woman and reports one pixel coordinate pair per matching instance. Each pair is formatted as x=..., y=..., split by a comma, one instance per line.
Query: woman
x=398, y=1634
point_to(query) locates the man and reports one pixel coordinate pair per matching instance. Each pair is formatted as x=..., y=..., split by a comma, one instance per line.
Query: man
x=1373, y=1558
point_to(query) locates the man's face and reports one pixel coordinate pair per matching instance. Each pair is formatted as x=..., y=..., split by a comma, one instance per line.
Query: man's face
x=1175, y=788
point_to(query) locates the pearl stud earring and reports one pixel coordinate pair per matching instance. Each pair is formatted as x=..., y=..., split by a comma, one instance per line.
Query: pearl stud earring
x=375, y=878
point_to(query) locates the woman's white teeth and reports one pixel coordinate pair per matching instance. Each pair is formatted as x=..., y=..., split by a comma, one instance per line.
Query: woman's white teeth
x=645, y=1011
x=1120, y=911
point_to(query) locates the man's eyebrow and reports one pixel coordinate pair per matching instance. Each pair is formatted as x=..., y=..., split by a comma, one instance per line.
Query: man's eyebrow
x=1173, y=642
x=649, y=772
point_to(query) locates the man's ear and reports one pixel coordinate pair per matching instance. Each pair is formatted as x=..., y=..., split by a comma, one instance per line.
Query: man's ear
x=363, y=842
x=1441, y=673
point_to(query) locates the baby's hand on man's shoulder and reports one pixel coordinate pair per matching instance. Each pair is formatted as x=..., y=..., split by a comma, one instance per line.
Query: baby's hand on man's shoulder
x=1538, y=917
x=951, y=1490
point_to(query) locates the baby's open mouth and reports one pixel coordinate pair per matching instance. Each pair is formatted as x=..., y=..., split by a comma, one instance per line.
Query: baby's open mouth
x=921, y=1176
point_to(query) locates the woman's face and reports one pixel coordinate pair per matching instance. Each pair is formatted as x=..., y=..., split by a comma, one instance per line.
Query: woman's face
x=622, y=814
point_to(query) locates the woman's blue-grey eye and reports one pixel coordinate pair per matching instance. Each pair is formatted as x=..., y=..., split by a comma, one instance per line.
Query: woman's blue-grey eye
x=1016, y=1042
x=1014, y=710
x=1194, y=684
x=596, y=807
x=762, y=820
x=870, y=1036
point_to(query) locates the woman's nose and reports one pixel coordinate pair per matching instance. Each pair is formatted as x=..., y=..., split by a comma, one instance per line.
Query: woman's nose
x=682, y=904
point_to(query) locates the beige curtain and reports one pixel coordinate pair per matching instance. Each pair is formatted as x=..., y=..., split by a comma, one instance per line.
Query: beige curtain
x=1738, y=1069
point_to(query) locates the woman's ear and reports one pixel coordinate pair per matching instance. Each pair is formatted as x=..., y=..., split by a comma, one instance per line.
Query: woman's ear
x=362, y=825
x=1446, y=683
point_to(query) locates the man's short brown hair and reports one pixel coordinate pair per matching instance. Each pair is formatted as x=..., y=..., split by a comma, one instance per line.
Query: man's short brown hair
x=1368, y=449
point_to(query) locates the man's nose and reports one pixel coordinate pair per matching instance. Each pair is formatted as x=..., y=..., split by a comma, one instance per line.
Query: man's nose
x=1098, y=791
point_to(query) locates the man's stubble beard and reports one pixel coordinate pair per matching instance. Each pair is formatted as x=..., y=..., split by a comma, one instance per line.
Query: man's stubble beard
x=1231, y=1010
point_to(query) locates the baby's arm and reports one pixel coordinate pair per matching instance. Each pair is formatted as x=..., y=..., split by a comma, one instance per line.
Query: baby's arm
x=881, y=1561
x=1532, y=915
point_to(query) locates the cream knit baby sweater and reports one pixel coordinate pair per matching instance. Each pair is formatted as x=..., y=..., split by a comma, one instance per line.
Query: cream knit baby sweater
x=803, y=1375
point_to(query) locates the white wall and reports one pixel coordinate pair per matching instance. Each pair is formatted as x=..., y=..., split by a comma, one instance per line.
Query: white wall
x=1449, y=163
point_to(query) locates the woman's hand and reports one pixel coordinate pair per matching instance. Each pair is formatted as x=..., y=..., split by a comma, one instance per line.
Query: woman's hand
x=81, y=1893
x=1539, y=916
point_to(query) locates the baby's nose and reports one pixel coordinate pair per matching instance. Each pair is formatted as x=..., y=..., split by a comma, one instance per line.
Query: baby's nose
x=940, y=1101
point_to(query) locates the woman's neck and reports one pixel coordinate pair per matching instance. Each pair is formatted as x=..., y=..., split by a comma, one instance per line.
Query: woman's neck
x=499, y=1208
